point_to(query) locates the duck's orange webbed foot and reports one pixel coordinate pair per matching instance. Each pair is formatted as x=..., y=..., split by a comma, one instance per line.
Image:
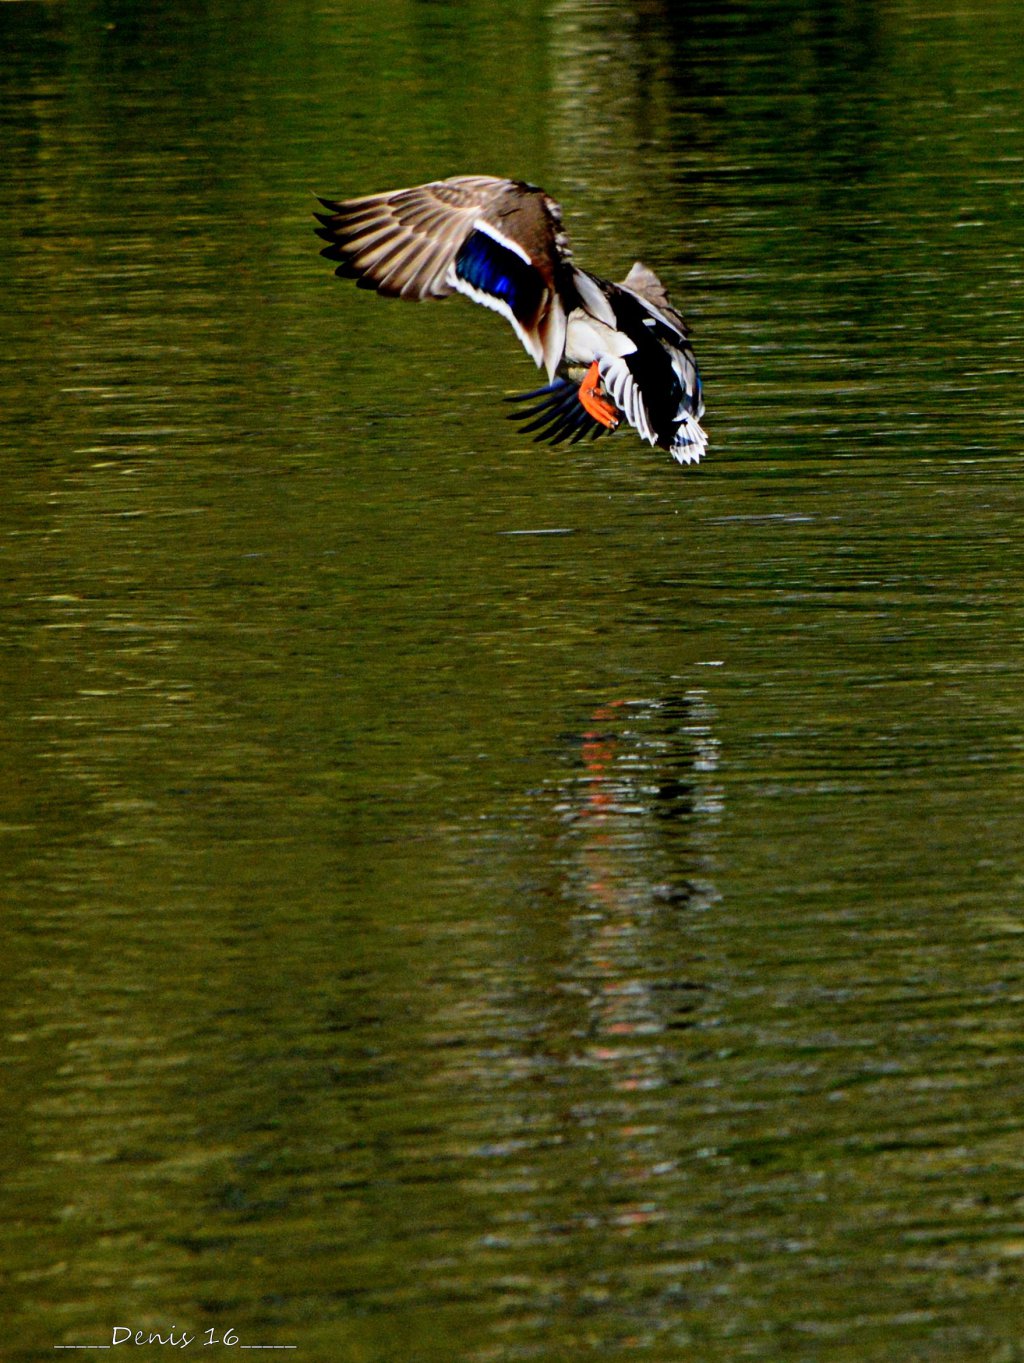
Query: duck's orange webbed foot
x=595, y=400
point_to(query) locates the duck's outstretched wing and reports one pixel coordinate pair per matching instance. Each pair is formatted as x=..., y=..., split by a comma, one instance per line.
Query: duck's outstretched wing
x=557, y=415
x=499, y=242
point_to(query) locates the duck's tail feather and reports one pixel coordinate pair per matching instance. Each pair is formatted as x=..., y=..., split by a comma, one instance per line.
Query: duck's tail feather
x=558, y=415
x=689, y=442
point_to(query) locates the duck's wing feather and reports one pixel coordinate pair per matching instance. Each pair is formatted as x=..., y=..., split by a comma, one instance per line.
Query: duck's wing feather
x=642, y=281
x=499, y=242
x=403, y=242
x=678, y=431
x=556, y=414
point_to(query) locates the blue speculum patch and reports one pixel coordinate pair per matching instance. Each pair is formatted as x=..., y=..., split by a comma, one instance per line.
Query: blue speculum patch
x=495, y=270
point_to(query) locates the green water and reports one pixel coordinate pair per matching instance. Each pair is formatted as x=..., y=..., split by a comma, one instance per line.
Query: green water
x=425, y=938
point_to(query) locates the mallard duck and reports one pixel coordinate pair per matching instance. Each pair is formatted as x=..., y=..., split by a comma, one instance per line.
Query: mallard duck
x=611, y=351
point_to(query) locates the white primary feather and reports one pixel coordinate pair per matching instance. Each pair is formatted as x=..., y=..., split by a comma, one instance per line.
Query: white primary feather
x=623, y=391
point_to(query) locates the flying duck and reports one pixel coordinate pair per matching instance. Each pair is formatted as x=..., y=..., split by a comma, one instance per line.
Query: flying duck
x=611, y=351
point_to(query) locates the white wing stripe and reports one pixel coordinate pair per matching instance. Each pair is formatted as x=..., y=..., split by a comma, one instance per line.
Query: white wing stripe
x=530, y=343
x=489, y=230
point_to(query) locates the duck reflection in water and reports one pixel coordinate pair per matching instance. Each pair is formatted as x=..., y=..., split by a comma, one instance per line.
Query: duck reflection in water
x=636, y=820
x=624, y=975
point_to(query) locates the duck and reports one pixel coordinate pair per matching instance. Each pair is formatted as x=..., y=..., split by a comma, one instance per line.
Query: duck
x=613, y=352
